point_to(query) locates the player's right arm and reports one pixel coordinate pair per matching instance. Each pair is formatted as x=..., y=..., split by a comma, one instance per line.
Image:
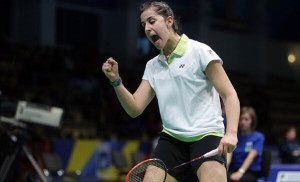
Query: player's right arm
x=134, y=104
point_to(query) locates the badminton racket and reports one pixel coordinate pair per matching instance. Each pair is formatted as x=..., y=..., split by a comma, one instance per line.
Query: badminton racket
x=137, y=173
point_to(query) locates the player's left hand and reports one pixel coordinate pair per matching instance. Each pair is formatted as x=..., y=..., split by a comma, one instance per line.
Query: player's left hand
x=227, y=144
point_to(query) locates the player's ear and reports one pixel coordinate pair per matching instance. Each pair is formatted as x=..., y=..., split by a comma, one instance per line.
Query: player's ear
x=169, y=21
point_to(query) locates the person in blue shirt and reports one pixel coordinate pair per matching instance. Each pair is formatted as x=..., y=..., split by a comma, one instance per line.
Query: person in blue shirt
x=245, y=162
x=290, y=149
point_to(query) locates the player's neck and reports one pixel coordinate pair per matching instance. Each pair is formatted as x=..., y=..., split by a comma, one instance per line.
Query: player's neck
x=171, y=44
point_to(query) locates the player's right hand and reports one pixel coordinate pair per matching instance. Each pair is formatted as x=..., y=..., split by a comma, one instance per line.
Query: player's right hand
x=110, y=69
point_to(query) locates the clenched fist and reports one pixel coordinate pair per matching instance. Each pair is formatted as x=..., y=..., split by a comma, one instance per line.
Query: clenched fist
x=110, y=69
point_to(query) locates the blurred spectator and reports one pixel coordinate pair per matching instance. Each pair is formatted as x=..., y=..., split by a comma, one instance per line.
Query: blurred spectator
x=289, y=149
x=245, y=162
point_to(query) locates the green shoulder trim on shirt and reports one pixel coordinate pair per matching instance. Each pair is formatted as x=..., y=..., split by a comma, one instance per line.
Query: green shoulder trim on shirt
x=179, y=50
x=192, y=139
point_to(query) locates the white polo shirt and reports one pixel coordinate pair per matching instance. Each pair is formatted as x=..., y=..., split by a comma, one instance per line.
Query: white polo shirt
x=189, y=104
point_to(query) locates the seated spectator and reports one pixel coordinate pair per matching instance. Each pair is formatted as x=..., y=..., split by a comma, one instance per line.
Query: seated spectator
x=245, y=161
x=289, y=149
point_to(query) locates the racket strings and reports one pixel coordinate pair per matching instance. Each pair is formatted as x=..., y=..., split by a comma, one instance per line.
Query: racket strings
x=137, y=175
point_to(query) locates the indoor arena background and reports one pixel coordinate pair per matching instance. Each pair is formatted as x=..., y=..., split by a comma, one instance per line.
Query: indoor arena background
x=52, y=51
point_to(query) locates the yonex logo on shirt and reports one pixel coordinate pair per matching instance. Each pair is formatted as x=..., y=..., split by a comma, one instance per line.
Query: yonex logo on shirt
x=182, y=65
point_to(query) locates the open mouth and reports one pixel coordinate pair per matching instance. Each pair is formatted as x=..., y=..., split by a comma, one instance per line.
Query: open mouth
x=155, y=38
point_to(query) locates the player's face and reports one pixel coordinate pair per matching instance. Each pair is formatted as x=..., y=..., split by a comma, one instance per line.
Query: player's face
x=245, y=122
x=155, y=27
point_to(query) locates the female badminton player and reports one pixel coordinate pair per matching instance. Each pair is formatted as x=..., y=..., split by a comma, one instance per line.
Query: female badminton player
x=188, y=80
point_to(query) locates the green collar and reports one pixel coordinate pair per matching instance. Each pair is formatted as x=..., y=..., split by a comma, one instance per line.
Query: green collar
x=179, y=50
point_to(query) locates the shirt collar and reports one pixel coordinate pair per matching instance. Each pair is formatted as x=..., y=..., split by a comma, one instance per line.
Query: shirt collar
x=178, y=52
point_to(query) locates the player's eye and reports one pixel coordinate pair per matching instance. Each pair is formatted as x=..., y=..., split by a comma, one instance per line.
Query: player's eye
x=152, y=22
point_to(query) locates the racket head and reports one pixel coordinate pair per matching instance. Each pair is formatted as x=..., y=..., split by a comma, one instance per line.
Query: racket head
x=137, y=173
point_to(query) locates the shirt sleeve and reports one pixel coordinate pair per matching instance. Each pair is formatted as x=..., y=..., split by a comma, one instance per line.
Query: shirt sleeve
x=148, y=74
x=207, y=55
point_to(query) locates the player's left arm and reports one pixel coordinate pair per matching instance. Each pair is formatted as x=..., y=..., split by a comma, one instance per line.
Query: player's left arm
x=216, y=73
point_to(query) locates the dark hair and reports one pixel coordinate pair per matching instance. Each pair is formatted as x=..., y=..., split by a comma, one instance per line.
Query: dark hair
x=250, y=110
x=163, y=9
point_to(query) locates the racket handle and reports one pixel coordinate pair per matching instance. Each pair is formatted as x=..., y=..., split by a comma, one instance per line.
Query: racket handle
x=208, y=154
x=211, y=153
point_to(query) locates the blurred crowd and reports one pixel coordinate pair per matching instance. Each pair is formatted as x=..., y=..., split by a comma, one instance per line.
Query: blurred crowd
x=71, y=78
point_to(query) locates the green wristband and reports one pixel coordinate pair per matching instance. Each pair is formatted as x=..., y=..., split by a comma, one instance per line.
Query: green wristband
x=117, y=82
